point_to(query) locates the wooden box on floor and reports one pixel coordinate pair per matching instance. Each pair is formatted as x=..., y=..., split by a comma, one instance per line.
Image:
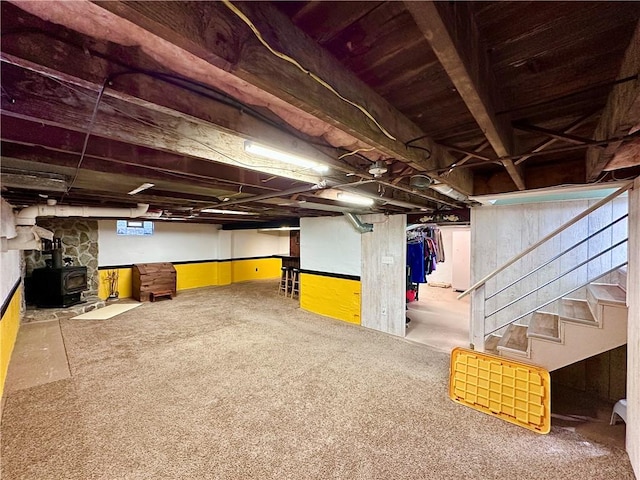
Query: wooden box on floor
x=153, y=279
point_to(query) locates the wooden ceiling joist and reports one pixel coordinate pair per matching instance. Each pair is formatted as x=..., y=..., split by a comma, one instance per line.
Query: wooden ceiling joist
x=454, y=37
x=621, y=115
x=40, y=99
x=223, y=51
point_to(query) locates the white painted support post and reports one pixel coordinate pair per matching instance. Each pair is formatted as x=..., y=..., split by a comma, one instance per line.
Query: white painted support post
x=477, y=319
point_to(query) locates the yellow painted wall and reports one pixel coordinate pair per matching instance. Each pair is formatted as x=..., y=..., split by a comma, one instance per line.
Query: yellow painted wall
x=255, y=269
x=195, y=275
x=334, y=297
x=205, y=274
x=224, y=272
x=124, y=283
x=8, y=332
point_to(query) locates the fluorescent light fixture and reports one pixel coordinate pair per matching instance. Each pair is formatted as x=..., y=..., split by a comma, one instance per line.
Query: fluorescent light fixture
x=280, y=156
x=354, y=199
x=142, y=187
x=227, y=212
x=278, y=229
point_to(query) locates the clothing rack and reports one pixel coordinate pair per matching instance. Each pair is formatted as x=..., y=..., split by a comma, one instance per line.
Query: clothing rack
x=424, y=251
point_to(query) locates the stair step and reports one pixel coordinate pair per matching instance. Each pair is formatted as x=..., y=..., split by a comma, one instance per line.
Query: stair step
x=608, y=294
x=545, y=326
x=576, y=311
x=491, y=344
x=514, y=340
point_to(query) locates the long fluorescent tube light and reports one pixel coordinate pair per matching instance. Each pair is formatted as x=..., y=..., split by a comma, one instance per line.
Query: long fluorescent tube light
x=279, y=229
x=280, y=156
x=227, y=212
x=142, y=187
x=354, y=199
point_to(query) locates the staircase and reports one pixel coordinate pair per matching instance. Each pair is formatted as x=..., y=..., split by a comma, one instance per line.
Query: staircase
x=570, y=305
x=581, y=329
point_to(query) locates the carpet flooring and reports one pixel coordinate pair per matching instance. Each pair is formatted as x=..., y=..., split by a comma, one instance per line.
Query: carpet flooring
x=237, y=383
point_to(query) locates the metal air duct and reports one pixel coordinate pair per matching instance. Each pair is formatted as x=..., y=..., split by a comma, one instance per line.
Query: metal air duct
x=357, y=223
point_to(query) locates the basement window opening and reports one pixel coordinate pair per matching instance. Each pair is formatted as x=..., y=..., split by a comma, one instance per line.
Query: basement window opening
x=134, y=227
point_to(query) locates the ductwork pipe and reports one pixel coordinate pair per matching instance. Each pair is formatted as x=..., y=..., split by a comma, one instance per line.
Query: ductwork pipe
x=28, y=235
x=27, y=238
x=357, y=223
x=27, y=216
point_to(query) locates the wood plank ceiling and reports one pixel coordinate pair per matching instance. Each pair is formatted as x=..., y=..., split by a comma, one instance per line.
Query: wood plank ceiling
x=484, y=97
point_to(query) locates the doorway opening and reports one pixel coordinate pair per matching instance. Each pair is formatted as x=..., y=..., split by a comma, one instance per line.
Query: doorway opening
x=436, y=317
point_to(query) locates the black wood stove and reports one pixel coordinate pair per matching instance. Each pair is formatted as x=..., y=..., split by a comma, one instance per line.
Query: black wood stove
x=59, y=287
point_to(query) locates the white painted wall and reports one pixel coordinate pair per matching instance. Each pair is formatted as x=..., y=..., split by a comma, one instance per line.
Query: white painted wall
x=633, y=326
x=225, y=244
x=251, y=243
x=501, y=232
x=177, y=242
x=461, y=258
x=330, y=244
x=170, y=242
x=9, y=261
x=444, y=271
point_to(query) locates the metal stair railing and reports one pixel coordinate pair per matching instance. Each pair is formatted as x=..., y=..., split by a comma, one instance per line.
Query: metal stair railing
x=479, y=285
x=549, y=302
x=551, y=235
x=549, y=282
x=556, y=257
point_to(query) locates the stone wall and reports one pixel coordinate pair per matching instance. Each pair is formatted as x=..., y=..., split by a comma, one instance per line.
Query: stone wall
x=79, y=241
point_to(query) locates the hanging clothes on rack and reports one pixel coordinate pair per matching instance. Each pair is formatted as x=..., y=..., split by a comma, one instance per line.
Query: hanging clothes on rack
x=430, y=255
x=415, y=260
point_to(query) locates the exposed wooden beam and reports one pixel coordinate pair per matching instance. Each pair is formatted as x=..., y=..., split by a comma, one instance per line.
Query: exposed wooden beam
x=468, y=157
x=41, y=159
x=621, y=115
x=561, y=136
x=626, y=156
x=222, y=51
x=40, y=99
x=454, y=37
x=539, y=176
x=22, y=138
x=542, y=146
x=468, y=153
x=157, y=90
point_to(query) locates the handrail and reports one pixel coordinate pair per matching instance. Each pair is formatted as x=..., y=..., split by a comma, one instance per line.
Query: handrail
x=558, y=230
x=549, y=282
x=557, y=257
x=555, y=299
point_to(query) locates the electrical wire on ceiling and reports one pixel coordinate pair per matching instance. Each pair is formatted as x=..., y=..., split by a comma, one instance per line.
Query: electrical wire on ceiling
x=187, y=84
x=354, y=152
x=86, y=137
x=6, y=94
x=294, y=62
x=407, y=144
x=152, y=125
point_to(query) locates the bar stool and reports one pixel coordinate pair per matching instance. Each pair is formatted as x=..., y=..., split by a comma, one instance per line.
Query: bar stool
x=284, y=281
x=295, y=282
